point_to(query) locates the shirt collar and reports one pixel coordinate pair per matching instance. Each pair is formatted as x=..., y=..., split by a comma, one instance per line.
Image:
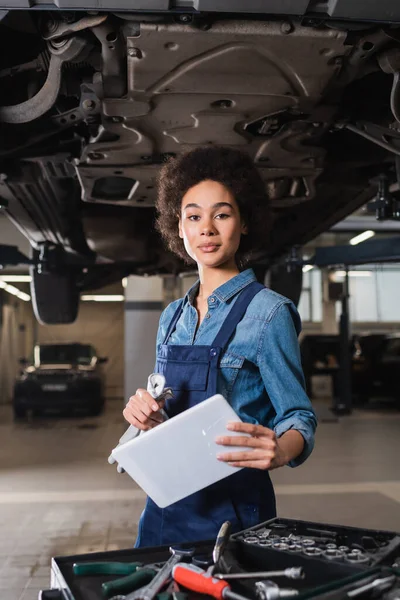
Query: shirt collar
x=228, y=289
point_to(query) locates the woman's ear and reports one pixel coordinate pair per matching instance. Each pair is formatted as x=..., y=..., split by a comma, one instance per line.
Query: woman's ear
x=245, y=229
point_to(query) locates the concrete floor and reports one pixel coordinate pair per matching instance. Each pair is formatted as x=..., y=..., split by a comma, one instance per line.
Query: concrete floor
x=59, y=496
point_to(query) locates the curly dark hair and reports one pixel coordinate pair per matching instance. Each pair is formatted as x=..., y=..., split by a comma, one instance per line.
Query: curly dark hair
x=233, y=169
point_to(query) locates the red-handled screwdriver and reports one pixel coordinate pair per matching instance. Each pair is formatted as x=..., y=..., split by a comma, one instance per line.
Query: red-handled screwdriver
x=196, y=579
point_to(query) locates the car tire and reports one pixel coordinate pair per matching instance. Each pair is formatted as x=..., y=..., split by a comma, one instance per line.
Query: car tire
x=55, y=297
x=19, y=413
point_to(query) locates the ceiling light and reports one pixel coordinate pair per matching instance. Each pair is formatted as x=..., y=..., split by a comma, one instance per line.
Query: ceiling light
x=354, y=273
x=16, y=278
x=14, y=291
x=103, y=298
x=362, y=237
x=307, y=268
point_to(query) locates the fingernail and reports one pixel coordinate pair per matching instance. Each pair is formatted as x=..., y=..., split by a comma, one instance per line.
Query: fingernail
x=219, y=456
x=218, y=440
x=230, y=425
x=154, y=406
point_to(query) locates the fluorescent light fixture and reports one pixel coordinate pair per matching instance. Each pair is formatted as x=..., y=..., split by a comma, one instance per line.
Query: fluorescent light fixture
x=307, y=268
x=16, y=278
x=354, y=273
x=103, y=298
x=14, y=291
x=362, y=237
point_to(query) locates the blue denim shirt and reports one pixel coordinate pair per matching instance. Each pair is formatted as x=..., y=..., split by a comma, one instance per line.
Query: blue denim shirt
x=260, y=371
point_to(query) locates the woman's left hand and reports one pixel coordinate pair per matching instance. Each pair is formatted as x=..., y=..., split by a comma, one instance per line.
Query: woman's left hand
x=264, y=450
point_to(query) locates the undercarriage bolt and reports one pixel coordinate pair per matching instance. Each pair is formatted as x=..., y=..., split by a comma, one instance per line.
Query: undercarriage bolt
x=268, y=590
x=286, y=27
x=331, y=546
x=134, y=53
x=343, y=548
x=89, y=104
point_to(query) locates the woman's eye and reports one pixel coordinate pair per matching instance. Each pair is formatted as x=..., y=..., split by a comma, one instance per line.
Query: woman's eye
x=222, y=216
x=193, y=217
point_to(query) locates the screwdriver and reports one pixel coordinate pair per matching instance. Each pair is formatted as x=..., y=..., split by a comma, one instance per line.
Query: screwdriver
x=197, y=580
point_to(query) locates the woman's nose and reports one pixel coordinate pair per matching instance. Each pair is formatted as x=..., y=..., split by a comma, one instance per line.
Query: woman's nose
x=208, y=228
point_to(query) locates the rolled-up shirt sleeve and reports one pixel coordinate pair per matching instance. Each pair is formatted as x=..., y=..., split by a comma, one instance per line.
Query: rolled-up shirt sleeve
x=278, y=359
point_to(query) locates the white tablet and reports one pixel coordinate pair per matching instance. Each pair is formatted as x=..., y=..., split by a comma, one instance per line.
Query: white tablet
x=178, y=457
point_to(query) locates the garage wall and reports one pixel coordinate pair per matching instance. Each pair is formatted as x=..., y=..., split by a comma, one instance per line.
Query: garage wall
x=100, y=324
x=16, y=340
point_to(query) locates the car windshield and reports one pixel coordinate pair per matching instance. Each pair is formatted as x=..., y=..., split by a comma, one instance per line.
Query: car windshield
x=64, y=353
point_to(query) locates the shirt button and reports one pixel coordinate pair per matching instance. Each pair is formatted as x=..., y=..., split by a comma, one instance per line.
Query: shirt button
x=213, y=352
x=208, y=315
x=212, y=299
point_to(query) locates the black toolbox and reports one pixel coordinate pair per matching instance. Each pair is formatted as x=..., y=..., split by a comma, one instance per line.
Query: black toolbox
x=325, y=577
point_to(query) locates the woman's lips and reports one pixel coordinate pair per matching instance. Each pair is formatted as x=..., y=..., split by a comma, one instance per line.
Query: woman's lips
x=209, y=248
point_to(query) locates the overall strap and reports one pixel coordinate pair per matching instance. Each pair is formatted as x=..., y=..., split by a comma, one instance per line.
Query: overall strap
x=236, y=314
x=173, y=322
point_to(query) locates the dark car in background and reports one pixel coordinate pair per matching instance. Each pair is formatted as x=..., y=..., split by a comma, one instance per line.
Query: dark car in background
x=60, y=377
x=375, y=364
x=375, y=367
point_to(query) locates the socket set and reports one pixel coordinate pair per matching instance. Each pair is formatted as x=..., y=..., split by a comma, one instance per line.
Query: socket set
x=349, y=545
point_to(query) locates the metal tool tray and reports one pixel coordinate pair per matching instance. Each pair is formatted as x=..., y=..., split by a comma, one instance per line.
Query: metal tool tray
x=318, y=580
x=322, y=577
x=387, y=542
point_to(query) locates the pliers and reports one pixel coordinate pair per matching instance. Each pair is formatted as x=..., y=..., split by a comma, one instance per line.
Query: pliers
x=135, y=575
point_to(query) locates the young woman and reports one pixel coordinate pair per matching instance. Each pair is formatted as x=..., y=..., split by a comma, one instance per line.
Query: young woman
x=228, y=335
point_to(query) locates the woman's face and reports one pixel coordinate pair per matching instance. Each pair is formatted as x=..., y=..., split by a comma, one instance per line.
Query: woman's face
x=210, y=224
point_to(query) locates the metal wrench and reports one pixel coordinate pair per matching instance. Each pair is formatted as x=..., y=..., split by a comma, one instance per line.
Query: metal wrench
x=156, y=388
x=219, y=548
x=150, y=591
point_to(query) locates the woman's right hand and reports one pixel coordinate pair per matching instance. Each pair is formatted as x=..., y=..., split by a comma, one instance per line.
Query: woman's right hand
x=143, y=411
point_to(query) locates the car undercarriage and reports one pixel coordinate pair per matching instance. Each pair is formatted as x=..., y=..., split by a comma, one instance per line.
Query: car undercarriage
x=93, y=103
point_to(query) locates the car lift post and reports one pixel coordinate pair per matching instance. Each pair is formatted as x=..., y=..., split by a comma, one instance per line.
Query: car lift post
x=343, y=403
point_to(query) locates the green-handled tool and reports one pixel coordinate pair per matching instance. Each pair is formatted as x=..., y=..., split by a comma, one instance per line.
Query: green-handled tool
x=106, y=568
x=128, y=584
x=135, y=575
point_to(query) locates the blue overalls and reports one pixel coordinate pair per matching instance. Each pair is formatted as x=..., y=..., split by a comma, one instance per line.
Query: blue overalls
x=246, y=497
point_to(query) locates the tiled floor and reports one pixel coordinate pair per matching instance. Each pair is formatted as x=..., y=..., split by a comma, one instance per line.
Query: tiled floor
x=59, y=496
